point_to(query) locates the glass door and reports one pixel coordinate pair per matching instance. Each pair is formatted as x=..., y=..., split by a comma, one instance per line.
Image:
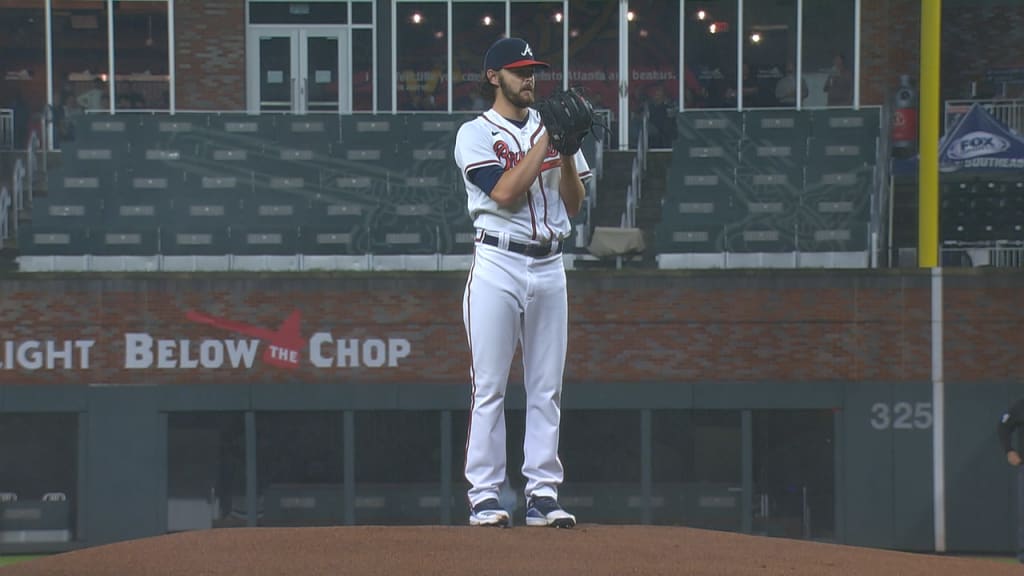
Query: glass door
x=273, y=70
x=322, y=68
x=299, y=70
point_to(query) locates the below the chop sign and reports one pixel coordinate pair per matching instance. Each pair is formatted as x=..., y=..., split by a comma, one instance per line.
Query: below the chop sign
x=142, y=351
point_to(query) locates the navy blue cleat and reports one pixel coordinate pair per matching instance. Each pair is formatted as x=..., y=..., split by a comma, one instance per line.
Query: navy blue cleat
x=545, y=511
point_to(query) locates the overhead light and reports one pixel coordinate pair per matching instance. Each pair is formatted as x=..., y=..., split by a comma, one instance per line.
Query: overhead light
x=755, y=38
x=416, y=18
x=701, y=15
x=558, y=17
x=713, y=28
x=488, y=21
x=630, y=15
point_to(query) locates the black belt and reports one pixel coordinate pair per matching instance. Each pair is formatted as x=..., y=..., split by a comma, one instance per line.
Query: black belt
x=531, y=250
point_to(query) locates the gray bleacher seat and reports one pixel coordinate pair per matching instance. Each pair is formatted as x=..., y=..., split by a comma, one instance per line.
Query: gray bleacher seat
x=264, y=240
x=372, y=140
x=336, y=227
x=179, y=134
x=140, y=211
x=776, y=125
x=765, y=184
x=247, y=131
x=43, y=239
x=310, y=132
x=194, y=239
x=839, y=155
x=845, y=124
x=694, y=224
x=407, y=228
x=67, y=211
x=835, y=210
x=114, y=132
x=122, y=241
x=428, y=150
x=703, y=126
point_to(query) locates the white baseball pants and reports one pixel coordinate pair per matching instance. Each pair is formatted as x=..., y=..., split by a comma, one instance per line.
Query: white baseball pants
x=513, y=299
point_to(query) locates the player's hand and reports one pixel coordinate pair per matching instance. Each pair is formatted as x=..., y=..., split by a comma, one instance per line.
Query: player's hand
x=1013, y=458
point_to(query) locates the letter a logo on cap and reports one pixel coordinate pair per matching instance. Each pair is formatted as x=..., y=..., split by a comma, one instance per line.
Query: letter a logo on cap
x=526, y=51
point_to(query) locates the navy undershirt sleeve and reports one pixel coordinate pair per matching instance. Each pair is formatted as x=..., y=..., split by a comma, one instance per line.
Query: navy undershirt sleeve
x=486, y=177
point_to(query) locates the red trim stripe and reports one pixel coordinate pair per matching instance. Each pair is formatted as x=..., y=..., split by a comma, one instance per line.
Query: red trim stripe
x=480, y=164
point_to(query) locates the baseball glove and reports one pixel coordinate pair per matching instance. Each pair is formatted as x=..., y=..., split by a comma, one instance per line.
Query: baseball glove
x=568, y=117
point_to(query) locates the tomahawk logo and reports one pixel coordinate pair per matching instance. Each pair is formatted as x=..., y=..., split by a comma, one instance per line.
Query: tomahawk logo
x=977, y=143
x=282, y=348
x=283, y=344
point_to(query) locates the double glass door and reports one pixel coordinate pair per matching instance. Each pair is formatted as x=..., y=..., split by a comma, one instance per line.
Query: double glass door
x=299, y=70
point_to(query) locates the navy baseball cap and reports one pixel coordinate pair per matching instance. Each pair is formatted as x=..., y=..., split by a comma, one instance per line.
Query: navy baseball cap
x=510, y=53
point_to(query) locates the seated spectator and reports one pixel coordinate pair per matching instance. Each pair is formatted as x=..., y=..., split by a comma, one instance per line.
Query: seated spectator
x=785, y=88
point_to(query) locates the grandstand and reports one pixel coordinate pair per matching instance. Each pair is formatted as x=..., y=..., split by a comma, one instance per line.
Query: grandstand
x=231, y=191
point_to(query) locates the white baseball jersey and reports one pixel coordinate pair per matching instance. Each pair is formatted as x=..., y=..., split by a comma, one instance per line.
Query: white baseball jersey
x=491, y=140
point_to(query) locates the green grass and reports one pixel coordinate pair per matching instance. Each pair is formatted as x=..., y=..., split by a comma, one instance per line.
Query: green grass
x=8, y=560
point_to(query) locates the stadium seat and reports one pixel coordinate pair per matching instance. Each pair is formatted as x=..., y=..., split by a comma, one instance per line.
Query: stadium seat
x=776, y=126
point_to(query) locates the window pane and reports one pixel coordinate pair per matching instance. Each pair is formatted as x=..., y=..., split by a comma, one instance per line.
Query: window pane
x=594, y=55
x=540, y=24
x=362, y=70
x=769, y=51
x=299, y=463
x=476, y=26
x=23, y=83
x=422, y=49
x=298, y=12
x=654, y=69
x=79, y=59
x=362, y=12
x=794, y=473
x=205, y=470
x=39, y=479
x=398, y=467
x=142, y=78
x=828, y=52
x=711, y=53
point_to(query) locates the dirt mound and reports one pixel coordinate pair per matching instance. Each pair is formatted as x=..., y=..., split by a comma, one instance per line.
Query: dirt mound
x=589, y=550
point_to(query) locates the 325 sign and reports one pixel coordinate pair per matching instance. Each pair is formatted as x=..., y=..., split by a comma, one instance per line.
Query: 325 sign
x=901, y=416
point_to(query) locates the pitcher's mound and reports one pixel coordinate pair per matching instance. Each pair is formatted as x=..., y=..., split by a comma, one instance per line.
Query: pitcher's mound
x=588, y=550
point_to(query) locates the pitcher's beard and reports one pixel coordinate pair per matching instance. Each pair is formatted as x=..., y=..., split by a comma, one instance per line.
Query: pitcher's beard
x=518, y=99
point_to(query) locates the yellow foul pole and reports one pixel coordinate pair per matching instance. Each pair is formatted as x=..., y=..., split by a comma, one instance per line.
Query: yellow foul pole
x=928, y=142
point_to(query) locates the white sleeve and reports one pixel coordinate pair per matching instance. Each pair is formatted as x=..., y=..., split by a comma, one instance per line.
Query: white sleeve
x=582, y=168
x=473, y=148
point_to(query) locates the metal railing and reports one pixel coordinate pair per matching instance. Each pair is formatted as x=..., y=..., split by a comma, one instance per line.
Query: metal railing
x=983, y=256
x=1009, y=112
x=5, y=214
x=6, y=129
x=635, y=190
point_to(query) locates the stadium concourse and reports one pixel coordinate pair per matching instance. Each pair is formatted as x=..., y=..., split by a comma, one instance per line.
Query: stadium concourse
x=590, y=550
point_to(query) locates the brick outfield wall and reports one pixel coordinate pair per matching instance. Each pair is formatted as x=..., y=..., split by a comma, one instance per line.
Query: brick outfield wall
x=210, y=54
x=706, y=327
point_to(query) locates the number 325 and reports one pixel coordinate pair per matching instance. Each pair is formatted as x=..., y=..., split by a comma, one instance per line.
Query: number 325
x=901, y=416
